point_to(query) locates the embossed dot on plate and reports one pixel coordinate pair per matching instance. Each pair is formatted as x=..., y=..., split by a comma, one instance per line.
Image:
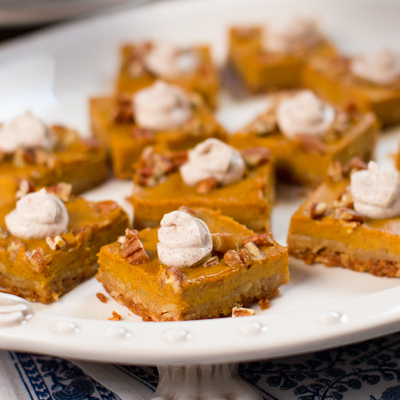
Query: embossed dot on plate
x=252, y=328
x=117, y=333
x=65, y=328
x=177, y=335
x=332, y=317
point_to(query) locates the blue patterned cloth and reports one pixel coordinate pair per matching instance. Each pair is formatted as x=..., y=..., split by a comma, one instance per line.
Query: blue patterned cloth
x=365, y=371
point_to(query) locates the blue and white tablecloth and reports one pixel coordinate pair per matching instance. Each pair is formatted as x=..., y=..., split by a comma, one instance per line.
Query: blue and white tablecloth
x=364, y=371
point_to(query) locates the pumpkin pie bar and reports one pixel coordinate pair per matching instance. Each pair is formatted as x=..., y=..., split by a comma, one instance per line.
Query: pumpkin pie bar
x=43, y=267
x=29, y=150
x=306, y=134
x=190, y=68
x=235, y=267
x=371, y=82
x=272, y=57
x=119, y=125
x=162, y=185
x=352, y=222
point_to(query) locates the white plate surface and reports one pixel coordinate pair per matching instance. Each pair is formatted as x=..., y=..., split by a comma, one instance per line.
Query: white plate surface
x=54, y=73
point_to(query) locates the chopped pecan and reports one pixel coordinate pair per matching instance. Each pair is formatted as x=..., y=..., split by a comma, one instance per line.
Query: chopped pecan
x=260, y=239
x=101, y=297
x=13, y=249
x=25, y=186
x=115, y=317
x=356, y=164
x=342, y=122
x=65, y=136
x=233, y=259
x=142, y=133
x=132, y=249
x=38, y=260
x=62, y=190
x=245, y=257
x=187, y=210
x=242, y=312
x=124, y=110
x=349, y=215
x=178, y=158
x=264, y=125
x=22, y=157
x=345, y=199
x=4, y=234
x=256, y=156
x=56, y=242
x=105, y=207
x=310, y=144
x=223, y=242
x=130, y=233
x=335, y=171
x=317, y=210
x=263, y=303
x=193, y=126
x=255, y=252
x=44, y=158
x=206, y=185
x=211, y=261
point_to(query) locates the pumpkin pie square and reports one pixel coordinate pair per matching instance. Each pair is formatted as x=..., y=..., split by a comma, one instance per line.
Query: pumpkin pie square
x=133, y=74
x=304, y=159
x=249, y=200
x=326, y=229
x=113, y=124
x=212, y=289
x=261, y=70
x=333, y=80
x=78, y=161
x=44, y=269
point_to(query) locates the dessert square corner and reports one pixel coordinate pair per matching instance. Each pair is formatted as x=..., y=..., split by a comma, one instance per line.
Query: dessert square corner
x=326, y=229
x=44, y=269
x=159, y=293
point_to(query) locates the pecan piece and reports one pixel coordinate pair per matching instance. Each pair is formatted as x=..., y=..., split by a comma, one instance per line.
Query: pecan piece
x=255, y=252
x=4, y=234
x=187, y=210
x=256, y=156
x=62, y=190
x=178, y=158
x=310, y=144
x=211, y=261
x=132, y=249
x=335, y=171
x=22, y=157
x=38, y=260
x=223, y=242
x=206, y=185
x=124, y=110
x=56, y=242
x=317, y=210
x=233, y=259
x=44, y=158
x=25, y=186
x=349, y=215
x=356, y=164
x=142, y=133
x=245, y=257
x=242, y=312
x=264, y=125
x=260, y=239
x=101, y=297
x=263, y=303
x=105, y=207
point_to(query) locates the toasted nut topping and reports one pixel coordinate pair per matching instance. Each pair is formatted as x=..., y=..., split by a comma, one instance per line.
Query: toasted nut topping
x=211, y=261
x=55, y=243
x=242, y=312
x=178, y=158
x=255, y=251
x=310, y=144
x=317, y=210
x=124, y=110
x=264, y=125
x=4, y=234
x=263, y=303
x=335, y=172
x=44, y=158
x=187, y=210
x=142, y=133
x=22, y=157
x=260, y=239
x=356, y=164
x=233, y=259
x=25, y=186
x=256, y=156
x=101, y=297
x=344, y=200
x=38, y=260
x=132, y=249
x=349, y=215
x=172, y=276
x=223, y=242
x=206, y=185
x=130, y=233
x=245, y=257
x=62, y=190
x=115, y=317
x=13, y=248
x=121, y=239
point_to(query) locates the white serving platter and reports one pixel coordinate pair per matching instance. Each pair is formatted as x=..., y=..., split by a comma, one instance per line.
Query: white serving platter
x=54, y=72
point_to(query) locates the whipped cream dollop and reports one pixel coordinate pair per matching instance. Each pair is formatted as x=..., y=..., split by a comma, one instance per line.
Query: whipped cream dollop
x=161, y=106
x=213, y=159
x=304, y=113
x=382, y=68
x=290, y=35
x=183, y=240
x=37, y=216
x=24, y=131
x=376, y=192
x=168, y=61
